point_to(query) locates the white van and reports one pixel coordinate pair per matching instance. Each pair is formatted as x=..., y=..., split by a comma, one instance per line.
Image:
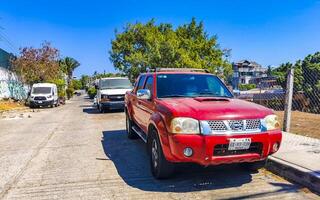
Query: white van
x=111, y=91
x=43, y=94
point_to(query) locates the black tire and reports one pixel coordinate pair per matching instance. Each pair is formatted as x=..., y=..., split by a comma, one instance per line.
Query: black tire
x=130, y=132
x=100, y=108
x=160, y=167
x=254, y=166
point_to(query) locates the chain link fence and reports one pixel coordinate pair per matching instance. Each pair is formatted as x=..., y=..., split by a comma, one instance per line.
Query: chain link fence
x=273, y=92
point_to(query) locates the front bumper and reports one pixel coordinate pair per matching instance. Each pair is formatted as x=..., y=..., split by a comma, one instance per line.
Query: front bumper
x=112, y=105
x=204, y=148
x=41, y=102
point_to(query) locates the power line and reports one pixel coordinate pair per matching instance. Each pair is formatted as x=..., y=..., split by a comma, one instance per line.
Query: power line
x=4, y=38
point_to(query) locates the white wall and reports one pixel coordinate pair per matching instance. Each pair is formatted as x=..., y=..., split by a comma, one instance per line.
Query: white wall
x=10, y=86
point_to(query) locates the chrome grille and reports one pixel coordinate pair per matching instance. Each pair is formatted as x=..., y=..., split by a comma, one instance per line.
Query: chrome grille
x=253, y=124
x=217, y=125
x=235, y=125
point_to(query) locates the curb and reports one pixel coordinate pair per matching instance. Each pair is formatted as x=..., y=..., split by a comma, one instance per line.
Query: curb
x=295, y=173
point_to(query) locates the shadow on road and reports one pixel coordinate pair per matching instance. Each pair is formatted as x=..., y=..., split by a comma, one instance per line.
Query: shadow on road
x=132, y=163
x=94, y=110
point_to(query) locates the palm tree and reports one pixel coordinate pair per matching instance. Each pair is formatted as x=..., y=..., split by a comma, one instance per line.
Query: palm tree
x=68, y=65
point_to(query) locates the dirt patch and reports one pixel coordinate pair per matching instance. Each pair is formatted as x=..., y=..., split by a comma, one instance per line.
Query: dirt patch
x=303, y=123
x=6, y=105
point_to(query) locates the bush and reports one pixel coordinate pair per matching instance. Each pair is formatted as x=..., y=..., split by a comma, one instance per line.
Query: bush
x=70, y=92
x=92, y=92
x=60, y=86
x=244, y=87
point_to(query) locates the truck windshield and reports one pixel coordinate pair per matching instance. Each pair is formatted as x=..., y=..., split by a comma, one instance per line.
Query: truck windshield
x=41, y=90
x=115, y=84
x=190, y=85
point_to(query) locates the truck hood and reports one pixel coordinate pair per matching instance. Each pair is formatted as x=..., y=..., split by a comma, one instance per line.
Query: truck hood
x=209, y=108
x=114, y=91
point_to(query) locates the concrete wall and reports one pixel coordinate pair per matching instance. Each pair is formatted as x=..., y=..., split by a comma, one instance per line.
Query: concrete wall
x=10, y=86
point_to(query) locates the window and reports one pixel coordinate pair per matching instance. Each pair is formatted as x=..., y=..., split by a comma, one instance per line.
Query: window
x=149, y=84
x=190, y=85
x=122, y=83
x=141, y=82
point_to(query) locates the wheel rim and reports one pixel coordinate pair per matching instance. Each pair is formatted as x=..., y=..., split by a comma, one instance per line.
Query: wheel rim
x=154, y=153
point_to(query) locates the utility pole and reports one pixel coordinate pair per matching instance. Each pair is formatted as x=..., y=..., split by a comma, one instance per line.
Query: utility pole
x=288, y=101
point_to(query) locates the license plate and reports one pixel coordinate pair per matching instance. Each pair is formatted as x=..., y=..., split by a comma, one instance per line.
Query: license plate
x=239, y=143
x=39, y=101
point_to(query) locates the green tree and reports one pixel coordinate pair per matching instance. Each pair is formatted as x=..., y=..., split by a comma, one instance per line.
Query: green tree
x=77, y=85
x=68, y=65
x=311, y=80
x=141, y=46
x=84, y=81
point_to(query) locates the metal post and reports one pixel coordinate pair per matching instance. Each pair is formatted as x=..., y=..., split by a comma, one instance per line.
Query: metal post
x=288, y=101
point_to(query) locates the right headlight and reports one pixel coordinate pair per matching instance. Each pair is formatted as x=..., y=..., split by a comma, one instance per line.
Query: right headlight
x=185, y=125
x=271, y=122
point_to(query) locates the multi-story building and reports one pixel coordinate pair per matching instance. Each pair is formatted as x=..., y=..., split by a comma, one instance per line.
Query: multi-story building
x=247, y=72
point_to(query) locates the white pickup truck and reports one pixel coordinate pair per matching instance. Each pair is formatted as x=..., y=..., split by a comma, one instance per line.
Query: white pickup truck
x=111, y=91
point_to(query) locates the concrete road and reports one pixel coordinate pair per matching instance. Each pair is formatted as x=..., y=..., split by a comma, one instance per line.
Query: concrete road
x=74, y=152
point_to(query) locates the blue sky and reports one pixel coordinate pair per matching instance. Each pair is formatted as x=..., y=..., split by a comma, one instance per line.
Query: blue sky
x=269, y=32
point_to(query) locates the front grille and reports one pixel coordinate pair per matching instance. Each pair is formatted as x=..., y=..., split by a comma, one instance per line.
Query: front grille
x=40, y=98
x=222, y=149
x=234, y=125
x=217, y=125
x=116, y=97
x=253, y=124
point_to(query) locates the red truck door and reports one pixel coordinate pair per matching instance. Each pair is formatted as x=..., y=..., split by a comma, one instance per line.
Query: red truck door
x=146, y=106
x=136, y=114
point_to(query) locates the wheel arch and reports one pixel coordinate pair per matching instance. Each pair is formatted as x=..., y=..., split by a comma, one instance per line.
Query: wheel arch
x=157, y=123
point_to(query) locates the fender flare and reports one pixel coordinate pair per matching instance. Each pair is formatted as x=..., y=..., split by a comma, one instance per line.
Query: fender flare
x=156, y=121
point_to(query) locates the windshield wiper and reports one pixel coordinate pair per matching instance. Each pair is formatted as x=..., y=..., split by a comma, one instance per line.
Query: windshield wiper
x=173, y=95
x=211, y=94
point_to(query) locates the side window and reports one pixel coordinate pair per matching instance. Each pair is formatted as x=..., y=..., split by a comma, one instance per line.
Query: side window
x=140, y=83
x=149, y=84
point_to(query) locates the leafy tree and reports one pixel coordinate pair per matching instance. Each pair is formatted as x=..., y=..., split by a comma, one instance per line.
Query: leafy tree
x=141, y=46
x=84, y=81
x=68, y=65
x=77, y=85
x=311, y=80
x=37, y=64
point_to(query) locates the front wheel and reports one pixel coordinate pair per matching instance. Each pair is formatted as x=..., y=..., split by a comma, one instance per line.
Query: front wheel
x=160, y=167
x=100, y=108
x=130, y=132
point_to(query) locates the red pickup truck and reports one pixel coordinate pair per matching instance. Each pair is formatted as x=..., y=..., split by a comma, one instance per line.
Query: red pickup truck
x=189, y=116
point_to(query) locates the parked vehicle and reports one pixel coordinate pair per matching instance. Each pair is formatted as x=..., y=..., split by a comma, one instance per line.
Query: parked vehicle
x=43, y=94
x=189, y=116
x=110, y=93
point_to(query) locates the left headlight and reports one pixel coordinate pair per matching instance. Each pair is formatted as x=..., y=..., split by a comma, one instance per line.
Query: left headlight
x=185, y=125
x=271, y=122
x=50, y=96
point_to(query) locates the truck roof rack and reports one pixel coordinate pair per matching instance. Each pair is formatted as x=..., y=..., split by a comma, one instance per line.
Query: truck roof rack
x=179, y=69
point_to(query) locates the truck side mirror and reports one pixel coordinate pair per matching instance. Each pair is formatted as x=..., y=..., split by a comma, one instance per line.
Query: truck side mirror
x=144, y=94
x=97, y=87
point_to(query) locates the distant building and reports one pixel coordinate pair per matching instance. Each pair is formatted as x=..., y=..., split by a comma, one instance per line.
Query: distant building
x=5, y=59
x=247, y=72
